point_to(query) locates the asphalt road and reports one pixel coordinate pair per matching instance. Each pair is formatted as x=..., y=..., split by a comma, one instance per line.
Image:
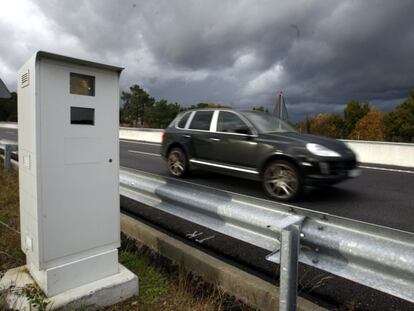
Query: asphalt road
x=383, y=197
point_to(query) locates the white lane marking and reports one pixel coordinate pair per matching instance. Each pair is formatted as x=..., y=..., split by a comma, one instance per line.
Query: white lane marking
x=146, y=153
x=387, y=169
x=139, y=143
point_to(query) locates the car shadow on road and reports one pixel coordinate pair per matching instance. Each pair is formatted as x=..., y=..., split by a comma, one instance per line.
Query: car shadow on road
x=338, y=194
x=329, y=194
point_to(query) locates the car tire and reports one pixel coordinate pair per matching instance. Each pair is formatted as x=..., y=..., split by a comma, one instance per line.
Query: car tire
x=177, y=162
x=282, y=180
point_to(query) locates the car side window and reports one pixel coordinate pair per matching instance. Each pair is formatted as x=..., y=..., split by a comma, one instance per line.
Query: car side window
x=231, y=123
x=181, y=124
x=201, y=120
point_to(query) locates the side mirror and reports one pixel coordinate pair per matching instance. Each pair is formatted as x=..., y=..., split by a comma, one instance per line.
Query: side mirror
x=243, y=130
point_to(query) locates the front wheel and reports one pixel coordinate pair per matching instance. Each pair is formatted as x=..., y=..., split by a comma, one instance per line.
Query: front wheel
x=281, y=180
x=177, y=162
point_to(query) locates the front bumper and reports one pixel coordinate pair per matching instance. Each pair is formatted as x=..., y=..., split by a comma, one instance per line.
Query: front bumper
x=320, y=173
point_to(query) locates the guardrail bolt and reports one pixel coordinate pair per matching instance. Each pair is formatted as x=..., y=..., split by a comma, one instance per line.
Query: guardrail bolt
x=315, y=260
x=320, y=228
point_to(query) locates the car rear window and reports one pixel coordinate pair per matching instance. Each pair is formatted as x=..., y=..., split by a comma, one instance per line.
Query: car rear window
x=183, y=121
x=201, y=120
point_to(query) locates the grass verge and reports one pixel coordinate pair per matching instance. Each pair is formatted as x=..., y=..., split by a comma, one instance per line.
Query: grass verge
x=162, y=285
x=10, y=253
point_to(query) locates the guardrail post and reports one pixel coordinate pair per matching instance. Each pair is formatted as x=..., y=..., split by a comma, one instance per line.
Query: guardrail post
x=289, y=252
x=8, y=149
x=7, y=157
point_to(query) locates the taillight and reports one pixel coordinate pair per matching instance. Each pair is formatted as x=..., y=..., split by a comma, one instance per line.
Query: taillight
x=164, y=136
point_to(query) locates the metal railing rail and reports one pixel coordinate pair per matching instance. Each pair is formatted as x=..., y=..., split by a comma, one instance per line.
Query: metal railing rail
x=374, y=256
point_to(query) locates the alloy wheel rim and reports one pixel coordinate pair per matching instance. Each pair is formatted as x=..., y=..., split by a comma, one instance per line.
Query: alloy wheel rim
x=176, y=163
x=281, y=181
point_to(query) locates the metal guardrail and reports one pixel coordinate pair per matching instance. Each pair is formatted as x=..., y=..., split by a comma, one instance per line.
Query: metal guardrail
x=375, y=256
x=8, y=147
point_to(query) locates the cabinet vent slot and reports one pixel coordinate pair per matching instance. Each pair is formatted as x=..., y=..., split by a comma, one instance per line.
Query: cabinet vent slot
x=25, y=79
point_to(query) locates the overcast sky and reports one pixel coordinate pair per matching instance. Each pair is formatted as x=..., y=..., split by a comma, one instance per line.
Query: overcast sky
x=238, y=53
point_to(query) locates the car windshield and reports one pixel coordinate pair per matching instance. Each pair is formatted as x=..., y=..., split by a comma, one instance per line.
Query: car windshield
x=266, y=123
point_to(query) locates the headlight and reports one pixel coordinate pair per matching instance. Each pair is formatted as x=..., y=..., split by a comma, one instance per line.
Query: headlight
x=321, y=151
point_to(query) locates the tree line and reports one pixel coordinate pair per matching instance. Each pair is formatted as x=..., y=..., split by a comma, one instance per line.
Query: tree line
x=364, y=121
x=8, y=108
x=359, y=120
x=139, y=109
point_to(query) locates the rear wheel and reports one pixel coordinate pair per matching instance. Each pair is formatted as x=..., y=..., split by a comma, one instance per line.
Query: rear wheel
x=177, y=162
x=281, y=180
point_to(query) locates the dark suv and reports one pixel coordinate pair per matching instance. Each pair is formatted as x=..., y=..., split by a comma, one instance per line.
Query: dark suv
x=256, y=146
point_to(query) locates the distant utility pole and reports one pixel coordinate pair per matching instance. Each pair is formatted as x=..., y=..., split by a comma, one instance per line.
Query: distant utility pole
x=4, y=92
x=279, y=108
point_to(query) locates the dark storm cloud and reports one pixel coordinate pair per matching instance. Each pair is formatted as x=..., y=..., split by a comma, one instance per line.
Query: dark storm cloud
x=240, y=53
x=214, y=34
x=362, y=50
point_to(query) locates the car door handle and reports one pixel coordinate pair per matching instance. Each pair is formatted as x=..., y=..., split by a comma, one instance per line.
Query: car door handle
x=215, y=139
x=186, y=136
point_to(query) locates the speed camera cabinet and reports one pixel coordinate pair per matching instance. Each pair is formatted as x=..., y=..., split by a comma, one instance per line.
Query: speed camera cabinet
x=69, y=170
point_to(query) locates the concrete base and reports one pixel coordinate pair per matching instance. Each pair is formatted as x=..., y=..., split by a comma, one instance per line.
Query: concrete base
x=101, y=293
x=74, y=273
